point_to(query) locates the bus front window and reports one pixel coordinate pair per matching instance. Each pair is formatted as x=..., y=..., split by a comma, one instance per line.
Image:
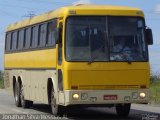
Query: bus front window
x=126, y=37
x=85, y=39
x=105, y=39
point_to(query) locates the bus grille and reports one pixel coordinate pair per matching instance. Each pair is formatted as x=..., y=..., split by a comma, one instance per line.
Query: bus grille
x=107, y=87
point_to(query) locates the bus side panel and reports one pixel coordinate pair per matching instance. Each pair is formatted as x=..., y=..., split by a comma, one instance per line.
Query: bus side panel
x=38, y=84
x=38, y=59
x=8, y=81
x=34, y=82
x=34, y=68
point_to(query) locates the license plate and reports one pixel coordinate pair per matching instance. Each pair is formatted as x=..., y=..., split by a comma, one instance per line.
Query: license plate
x=110, y=97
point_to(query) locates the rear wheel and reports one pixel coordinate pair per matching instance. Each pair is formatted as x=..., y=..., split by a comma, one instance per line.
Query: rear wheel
x=24, y=103
x=57, y=110
x=17, y=94
x=123, y=109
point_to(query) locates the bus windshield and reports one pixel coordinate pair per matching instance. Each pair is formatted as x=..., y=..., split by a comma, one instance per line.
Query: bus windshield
x=105, y=39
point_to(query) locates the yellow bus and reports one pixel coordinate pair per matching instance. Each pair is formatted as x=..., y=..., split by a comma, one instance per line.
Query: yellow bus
x=84, y=55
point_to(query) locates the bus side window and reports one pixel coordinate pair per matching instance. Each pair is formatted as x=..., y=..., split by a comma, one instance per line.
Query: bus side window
x=50, y=41
x=27, y=38
x=8, y=41
x=35, y=31
x=42, y=35
x=20, y=39
x=14, y=41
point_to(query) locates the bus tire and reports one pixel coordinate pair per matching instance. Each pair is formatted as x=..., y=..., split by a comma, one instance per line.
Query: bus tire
x=17, y=94
x=57, y=110
x=123, y=109
x=25, y=103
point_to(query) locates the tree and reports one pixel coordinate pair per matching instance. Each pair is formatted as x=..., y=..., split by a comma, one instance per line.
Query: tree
x=1, y=75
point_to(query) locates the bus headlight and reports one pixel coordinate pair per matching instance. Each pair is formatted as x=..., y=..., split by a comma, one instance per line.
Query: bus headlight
x=84, y=96
x=142, y=95
x=75, y=96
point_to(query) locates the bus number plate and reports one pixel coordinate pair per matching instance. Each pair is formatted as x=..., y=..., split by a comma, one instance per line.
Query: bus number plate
x=110, y=97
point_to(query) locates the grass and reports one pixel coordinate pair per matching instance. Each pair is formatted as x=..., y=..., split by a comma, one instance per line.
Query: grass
x=1, y=84
x=155, y=90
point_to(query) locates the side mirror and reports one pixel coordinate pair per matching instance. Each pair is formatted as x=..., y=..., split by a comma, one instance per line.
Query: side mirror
x=149, y=36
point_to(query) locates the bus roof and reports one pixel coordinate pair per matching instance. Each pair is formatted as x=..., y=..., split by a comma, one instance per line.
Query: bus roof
x=79, y=10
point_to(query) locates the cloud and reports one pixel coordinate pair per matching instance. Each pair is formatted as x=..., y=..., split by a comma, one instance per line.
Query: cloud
x=81, y=2
x=157, y=9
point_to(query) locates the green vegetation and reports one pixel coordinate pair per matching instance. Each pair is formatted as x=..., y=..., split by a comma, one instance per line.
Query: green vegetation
x=1, y=80
x=1, y=84
x=155, y=89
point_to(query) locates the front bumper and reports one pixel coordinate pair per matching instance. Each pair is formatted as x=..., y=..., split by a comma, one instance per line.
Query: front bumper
x=97, y=97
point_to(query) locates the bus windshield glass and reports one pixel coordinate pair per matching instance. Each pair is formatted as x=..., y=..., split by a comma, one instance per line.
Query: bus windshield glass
x=105, y=39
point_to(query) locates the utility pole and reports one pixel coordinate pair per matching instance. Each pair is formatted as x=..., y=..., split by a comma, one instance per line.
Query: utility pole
x=30, y=14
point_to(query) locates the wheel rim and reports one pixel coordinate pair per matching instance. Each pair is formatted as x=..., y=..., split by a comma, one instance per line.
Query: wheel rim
x=53, y=102
x=16, y=94
x=22, y=95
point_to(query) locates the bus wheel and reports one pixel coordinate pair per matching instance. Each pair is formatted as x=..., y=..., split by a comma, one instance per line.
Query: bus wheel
x=24, y=103
x=17, y=94
x=123, y=109
x=57, y=110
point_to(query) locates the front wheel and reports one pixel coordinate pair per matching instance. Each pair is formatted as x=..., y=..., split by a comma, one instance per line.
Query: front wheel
x=57, y=110
x=123, y=109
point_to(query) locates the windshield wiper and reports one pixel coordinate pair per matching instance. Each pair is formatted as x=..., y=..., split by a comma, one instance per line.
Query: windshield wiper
x=128, y=60
x=90, y=61
x=95, y=56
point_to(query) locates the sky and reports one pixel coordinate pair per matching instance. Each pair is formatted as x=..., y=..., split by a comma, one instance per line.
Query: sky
x=12, y=11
